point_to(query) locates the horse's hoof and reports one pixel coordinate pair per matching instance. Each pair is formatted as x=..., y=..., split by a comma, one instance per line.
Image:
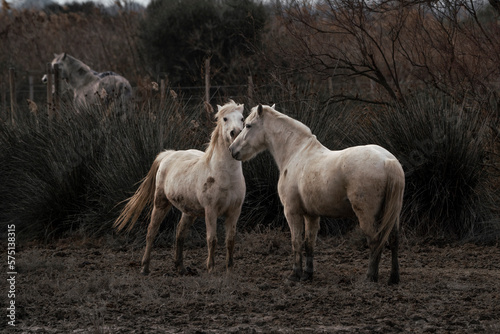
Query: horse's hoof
x=144, y=272
x=393, y=280
x=294, y=277
x=181, y=270
x=190, y=272
x=306, y=276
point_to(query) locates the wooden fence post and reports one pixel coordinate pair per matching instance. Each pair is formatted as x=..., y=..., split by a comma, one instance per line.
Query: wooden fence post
x=12, y=86
x=50, y=111
x=31, y=90
x=207, y=80
x=162, y=93
x=250, y=90
x=3, y=110
x=57, y=89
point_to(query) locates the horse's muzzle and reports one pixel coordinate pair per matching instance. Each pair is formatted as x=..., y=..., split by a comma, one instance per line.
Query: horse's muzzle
x=235, y=155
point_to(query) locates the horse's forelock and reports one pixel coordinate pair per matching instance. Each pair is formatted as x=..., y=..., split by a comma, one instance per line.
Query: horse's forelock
x=227, y=108
x=216, y=133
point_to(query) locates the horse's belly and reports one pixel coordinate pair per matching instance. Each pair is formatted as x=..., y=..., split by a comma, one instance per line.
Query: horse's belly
x=327, y=204
x=186, y=204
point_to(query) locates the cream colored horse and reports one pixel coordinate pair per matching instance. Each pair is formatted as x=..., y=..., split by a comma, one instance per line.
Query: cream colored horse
x=209, y=184
x=366, y=182
x=90, y=87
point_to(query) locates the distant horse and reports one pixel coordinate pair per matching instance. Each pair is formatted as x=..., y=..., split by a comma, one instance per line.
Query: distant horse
x=209, y=184
x=366, y=182
x=90, y=87
x=65, y=88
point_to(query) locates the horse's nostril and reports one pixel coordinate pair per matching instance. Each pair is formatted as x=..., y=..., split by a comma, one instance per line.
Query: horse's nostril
x=232, y=133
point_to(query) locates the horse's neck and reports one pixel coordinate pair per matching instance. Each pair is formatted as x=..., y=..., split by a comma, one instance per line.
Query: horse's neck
x=79, y=74
x=285, y=142
x=220, y=157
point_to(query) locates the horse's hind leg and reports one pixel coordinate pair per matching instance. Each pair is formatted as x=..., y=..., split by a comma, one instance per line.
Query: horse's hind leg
x=394, y=245
x=295, y=222
x=181, y=233
x=157, y=215
x=367, y=224
x=311, y=232
x=373, y=262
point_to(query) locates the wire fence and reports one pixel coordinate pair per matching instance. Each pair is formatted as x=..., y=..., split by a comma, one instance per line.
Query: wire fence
x=25, y=89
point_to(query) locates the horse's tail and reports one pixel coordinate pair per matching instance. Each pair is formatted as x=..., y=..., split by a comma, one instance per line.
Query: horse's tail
x=393, y=200
x=143, y=197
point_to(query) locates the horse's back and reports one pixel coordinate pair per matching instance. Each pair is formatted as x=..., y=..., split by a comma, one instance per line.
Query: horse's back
x=180, y=161
x=327, y=179
x=115, y=86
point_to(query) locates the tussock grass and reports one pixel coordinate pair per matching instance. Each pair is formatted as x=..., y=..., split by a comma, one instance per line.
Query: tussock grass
x=72, y=176
x=446, y=152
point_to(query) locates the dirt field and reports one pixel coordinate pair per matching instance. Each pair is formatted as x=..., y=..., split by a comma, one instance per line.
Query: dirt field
x=84, y=287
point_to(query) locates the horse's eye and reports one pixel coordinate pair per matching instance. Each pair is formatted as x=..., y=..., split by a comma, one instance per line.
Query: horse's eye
x=243, y=120
x=248, y=126
x=225, y=119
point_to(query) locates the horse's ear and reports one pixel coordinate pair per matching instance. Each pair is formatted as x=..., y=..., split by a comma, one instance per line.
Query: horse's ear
x=260, y=109
x=218, y=108
x=273, y=105
x=64, y=56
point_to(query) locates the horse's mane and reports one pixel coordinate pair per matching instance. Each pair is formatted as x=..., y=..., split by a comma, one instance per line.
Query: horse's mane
x=287, y=122
x=75, y=65
x=224, y=110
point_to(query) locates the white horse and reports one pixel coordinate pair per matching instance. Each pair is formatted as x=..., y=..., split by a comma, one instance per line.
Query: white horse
x=90, y=87
x=366, y=182
x=209, y=184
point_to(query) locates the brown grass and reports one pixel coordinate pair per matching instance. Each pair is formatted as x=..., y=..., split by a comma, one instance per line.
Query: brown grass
x=445, y=287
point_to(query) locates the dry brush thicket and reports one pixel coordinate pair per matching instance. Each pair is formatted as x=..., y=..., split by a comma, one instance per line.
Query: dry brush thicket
x=420, y=78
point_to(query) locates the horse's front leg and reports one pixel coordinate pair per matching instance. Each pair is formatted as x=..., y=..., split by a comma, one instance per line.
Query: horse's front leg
x=211, y=225
x=231, y=220
x=296, y=223
x=181, y=233
x=311, y=232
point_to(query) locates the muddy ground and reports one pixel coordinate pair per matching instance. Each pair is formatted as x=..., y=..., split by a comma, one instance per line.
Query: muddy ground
x=94, y=287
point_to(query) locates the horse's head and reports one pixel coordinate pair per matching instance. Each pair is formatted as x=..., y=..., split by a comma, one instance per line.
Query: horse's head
x=252, y=140
x=230, y=120
x=61, y=61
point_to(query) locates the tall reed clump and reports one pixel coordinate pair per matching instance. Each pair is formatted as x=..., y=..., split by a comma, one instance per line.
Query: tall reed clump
x=71, y=175
x=445, y=150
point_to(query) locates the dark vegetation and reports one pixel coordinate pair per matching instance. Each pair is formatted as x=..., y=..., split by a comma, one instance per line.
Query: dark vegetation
x=70, y=177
